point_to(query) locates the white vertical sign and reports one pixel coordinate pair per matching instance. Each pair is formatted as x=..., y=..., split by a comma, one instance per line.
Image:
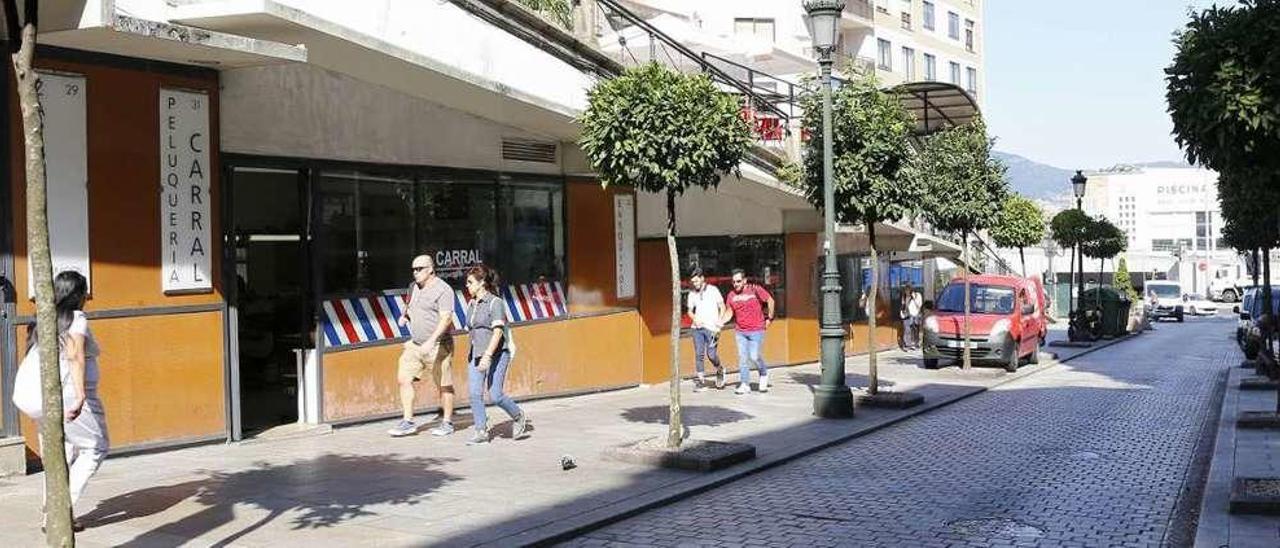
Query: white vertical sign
x=184, y=191
x=624, y=234
x=62, y=97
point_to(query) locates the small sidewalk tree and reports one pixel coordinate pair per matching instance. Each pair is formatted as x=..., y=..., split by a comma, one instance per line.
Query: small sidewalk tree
x=872, y=147
x=1069, y=229
x=965, y=188
x=1020, y=225
x=1103, y=240
x=22, y=27
x=663, y=131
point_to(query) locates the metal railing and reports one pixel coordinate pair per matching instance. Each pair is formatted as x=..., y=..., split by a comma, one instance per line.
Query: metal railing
x=657, y=37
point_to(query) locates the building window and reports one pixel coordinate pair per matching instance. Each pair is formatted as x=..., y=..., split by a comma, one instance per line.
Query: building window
x=930, y=68
x=906, y=20
x=927, y=15
x=886, y=54
x=955, y=73
x=763, y=258
x=759, y=29
x=1162, y=245
x=909, y=63
x=971, y=79
x=968, y=35
x=373, y=225
x=953, y=25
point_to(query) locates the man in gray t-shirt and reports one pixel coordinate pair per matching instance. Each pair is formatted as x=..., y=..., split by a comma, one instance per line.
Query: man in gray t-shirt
x=429, y=349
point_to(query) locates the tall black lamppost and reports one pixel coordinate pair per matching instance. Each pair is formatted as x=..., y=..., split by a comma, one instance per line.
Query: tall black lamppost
x=1077, y=186
x=831, y=399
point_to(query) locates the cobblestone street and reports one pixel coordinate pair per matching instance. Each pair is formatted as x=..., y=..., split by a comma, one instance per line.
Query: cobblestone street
x=1092, y=453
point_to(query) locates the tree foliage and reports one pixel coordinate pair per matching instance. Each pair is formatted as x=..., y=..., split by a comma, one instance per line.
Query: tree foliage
x=558, y=11
x=1020, y=224
x=1247, y=211
x=1124, y=282
x=871, y=144
x=1069, y=227
x=1223, y=87
x=661, y=130
x=1103, y=240
x=965, y=185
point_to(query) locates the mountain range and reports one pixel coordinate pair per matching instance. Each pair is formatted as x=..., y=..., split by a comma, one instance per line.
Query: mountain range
x=1045, y=182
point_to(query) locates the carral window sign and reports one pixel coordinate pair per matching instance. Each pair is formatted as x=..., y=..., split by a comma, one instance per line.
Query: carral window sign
x=184, y=192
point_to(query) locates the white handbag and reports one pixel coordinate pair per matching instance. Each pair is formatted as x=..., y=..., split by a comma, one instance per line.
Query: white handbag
x=27, y=395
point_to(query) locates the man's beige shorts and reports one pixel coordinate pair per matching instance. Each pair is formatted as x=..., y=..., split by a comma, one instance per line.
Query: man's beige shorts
x=415, y=360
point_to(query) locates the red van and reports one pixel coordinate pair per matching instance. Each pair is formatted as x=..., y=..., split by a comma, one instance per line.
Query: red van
x=1007, y=321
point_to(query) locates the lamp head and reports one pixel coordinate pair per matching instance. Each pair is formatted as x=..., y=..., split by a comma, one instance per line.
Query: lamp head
x=824, y=21
x=1077, y=184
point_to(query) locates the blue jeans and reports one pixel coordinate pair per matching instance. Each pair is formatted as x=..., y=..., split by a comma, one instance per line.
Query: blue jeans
x=493, y=378
x=749, y=351
x=705, y=342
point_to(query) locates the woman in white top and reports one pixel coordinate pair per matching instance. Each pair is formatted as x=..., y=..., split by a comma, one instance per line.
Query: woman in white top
x=85, y=421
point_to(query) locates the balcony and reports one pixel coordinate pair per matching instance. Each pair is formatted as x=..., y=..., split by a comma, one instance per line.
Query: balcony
x=858, y=13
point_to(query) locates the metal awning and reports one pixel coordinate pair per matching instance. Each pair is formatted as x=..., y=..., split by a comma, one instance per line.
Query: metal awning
x=936, y=105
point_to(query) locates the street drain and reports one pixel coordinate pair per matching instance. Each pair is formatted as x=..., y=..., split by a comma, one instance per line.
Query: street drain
x=988, y=528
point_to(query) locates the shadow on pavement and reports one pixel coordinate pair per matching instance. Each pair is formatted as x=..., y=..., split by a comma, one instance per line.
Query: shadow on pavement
x=852, y=380
x=691, y=415
x=305, y=488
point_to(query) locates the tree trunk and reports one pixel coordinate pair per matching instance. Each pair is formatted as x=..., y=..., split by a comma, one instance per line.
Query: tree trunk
x=966, y=359
x=1268, y=308
x=1098, y=293
x=1023, y=258
x=58, y=498
x=675, y=428
x=872, y=375
x=1256, y=266
x=1071, y=288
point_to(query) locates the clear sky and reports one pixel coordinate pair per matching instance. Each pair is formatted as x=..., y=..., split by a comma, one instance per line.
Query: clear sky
x=1080, y=84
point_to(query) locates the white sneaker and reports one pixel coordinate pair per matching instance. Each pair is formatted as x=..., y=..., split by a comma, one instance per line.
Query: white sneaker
x=743, y=389
x=764, y=383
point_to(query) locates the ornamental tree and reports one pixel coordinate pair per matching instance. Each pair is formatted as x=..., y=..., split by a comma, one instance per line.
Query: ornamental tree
x=21, y=24
x=1223, y=87
x=662, y=131
x=1125, y=282
x=965, y=187
x=1103, y=240
x=1069, y=228
x=872, y=149
x=1021, y=224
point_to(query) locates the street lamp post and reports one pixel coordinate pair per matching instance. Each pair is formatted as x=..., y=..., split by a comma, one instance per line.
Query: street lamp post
x=1077, y=186
x=832, y=399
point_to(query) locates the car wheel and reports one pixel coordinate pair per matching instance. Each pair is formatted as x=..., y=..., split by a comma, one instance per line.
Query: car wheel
x=1229, y=295
x=1180, y=318
x=1011, y=364
x=1034, y=358
x=931, y=363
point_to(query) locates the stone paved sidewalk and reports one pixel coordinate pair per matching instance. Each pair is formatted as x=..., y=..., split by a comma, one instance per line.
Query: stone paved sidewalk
x=1239, y=453
x=356, y=486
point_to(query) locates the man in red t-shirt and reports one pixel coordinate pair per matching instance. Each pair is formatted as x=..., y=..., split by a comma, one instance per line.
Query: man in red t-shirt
x=748, y=303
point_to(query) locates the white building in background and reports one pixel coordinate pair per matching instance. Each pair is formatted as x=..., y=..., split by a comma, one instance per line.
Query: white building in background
x=1172, y=220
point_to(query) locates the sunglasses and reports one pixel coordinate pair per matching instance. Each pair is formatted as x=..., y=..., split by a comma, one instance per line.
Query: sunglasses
x=417, y=268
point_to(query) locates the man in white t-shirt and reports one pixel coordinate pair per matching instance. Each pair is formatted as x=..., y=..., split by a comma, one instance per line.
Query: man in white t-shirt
x=705, y=306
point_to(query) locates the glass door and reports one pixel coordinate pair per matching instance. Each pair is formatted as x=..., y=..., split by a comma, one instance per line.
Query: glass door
x=267, y=257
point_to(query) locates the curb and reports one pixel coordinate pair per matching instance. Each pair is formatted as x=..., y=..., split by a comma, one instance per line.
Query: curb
x=562, y=530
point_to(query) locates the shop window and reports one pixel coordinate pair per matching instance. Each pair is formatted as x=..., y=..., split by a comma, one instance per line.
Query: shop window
x=763, y=258
x=457, y=225
x=367, y=224
x=532, y=232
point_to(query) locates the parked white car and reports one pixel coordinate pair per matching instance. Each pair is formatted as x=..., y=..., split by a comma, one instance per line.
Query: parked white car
x=1199, y=306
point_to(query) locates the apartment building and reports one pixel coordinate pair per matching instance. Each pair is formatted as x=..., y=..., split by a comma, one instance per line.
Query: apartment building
x=902, y=40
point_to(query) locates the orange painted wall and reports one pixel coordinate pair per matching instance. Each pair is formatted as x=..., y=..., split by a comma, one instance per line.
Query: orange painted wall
x=552, y=357
x=591, y=247
x=163, y=375
x=654, y=279
x=124, y=181
x=161, y=378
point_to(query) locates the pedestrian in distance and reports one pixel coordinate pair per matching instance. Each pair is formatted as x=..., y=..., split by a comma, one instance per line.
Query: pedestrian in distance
x=706, y=307
x=752, y=307
x=911, y=304
x=490, y=355
x=429, y=349
x=84, y=417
